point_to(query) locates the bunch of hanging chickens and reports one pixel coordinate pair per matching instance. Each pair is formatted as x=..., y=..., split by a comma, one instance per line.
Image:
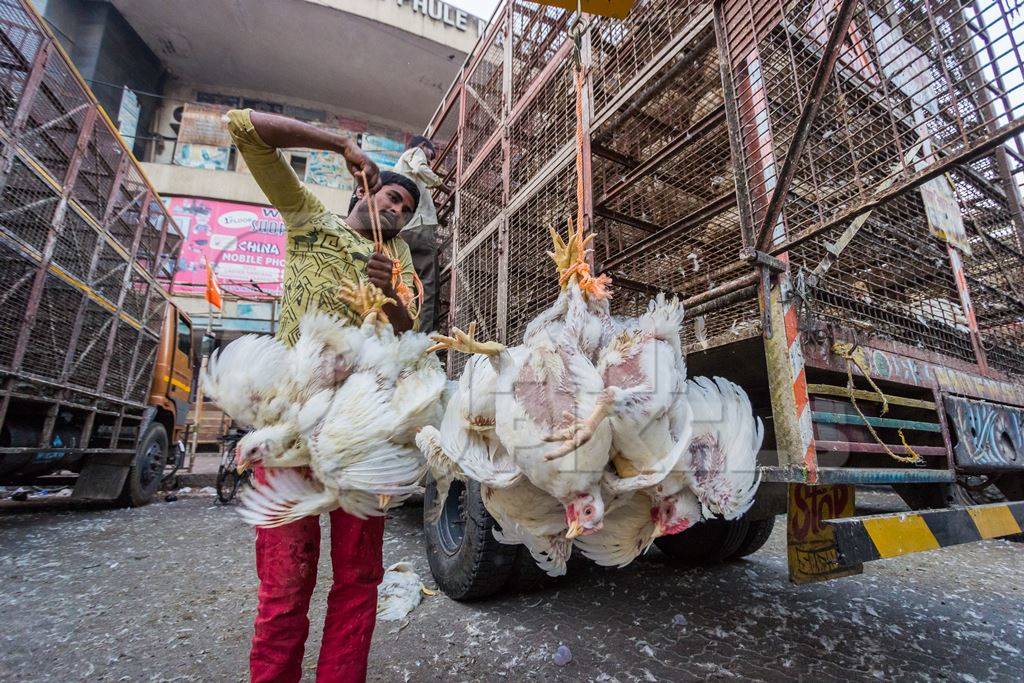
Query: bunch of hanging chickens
x=589, y=433
x=344, y=403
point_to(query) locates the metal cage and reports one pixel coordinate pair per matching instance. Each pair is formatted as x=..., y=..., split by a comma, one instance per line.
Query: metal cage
x=797, y=172
x=86, y=246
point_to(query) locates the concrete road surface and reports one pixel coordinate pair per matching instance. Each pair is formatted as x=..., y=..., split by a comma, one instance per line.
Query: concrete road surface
x=166, y=593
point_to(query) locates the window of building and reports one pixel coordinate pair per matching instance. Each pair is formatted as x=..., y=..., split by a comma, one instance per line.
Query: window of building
x=298, y=162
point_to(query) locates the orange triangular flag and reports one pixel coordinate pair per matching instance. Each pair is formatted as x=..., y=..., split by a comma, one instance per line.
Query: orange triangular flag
x=213, y=291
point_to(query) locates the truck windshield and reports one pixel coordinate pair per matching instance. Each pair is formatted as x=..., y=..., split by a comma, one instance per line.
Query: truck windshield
x=185, y=337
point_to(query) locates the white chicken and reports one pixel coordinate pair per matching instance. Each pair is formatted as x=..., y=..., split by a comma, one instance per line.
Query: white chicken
x=400, y=591
x=248, y=379
x=645, y=367
x=721, y=461
x=533, y=518
x=630, y=528
x=541, y=387
x=716, y=474
x=466, y=437
x=359, y=458
x=376, y=390
x=261, y=383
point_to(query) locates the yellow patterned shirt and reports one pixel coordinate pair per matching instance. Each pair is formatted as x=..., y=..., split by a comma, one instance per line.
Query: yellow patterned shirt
x=322, y=250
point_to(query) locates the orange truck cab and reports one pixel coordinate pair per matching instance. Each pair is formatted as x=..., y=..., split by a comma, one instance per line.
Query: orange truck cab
x=171, y=390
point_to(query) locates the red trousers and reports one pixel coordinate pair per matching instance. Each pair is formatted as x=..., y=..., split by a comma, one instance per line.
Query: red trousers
x=286, y=563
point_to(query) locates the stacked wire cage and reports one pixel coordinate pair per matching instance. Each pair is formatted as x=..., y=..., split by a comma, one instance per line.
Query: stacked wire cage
x=87, y=248
x=713, y=146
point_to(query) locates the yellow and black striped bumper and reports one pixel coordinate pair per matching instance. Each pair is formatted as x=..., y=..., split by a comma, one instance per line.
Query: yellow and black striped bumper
x=876, y=537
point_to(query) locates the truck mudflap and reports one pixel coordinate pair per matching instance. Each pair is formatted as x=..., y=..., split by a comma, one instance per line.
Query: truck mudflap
x=876, y=537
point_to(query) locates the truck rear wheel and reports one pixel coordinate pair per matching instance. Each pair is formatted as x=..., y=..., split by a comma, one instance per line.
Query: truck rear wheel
x=465, y=559
x=758, y=532
x=713, y=540
x=147, y=468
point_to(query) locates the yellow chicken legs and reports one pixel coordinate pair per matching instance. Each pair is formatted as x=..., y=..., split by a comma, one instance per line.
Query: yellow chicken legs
x=465, y=342
x=365, y=300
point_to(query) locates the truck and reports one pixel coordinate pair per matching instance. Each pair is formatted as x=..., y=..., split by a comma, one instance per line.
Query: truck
x=831, y=187
x=95, y=360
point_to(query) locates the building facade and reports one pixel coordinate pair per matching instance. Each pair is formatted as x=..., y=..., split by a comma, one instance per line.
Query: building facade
x=166, y=71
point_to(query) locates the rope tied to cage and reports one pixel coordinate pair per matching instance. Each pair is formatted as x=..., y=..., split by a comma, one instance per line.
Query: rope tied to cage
x=853, y=355
x=405, y=295
x=595, y=286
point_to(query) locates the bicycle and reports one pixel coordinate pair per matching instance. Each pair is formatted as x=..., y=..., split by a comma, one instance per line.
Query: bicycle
x=228, y=478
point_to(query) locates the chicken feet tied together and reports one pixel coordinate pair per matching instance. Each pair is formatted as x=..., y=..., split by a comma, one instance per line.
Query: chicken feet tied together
x=365, y=300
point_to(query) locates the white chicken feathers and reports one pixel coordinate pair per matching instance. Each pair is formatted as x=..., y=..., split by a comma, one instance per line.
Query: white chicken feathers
x=288, y=496
x=399, y=592
x=644, y=368
x=530, y=517
x=722, y=458
x=347, y=401
x=248, y=379
x=627, y=533
x=549, y=379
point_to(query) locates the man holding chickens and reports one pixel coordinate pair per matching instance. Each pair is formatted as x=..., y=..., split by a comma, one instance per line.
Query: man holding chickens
x=324, y=251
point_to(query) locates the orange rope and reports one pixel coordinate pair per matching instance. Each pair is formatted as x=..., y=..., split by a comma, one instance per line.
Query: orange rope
x=378, y=234
x=579, y=156
x=401, y=289
x=595, y=286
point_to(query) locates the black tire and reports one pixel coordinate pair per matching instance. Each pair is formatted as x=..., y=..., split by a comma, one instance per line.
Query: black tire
x=227, y=484
x=713, y=540
x=467, y=562
x=980, y=490
x=758, y=531
x=147, y=468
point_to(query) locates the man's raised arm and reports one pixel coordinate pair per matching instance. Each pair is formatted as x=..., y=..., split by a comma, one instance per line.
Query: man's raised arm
x=259, y=138
x=283, y=132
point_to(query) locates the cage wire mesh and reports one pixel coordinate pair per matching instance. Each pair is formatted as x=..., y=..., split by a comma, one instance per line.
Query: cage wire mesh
x=142, y=373
x=483, y=91
x=532, y=279
x=538, y=32
x=915, y=85
x=905, y=73
x=20, y=40
x=623, y=48
x=76, y=242
x=56, y=117
x=120, y=360
x=51, y=334
x=91, y=346
x=127, y=209
x=995, y=268
x=98, y=169
x=476, y=295
x=149, y=238
x=27, y=203
x=17, y=272
x=46, y=127
x=547, y=123
x=155, y=309
x=480, y=198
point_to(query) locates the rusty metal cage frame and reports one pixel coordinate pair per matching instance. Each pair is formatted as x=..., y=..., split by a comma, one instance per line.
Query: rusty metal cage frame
x=88, y=249
x=733, y=152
